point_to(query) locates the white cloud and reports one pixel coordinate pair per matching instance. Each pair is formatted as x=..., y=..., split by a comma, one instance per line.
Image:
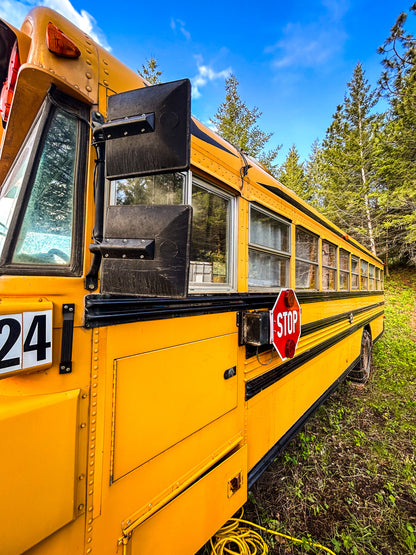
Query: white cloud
x=305, y=46
x=311, y=44
x=205, y=75
x=176, y=24
x=14, y=11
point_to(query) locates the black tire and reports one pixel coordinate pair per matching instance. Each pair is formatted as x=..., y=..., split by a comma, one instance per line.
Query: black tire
x=361, y=373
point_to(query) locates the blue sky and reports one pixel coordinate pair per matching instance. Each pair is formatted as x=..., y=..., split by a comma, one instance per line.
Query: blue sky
x=292, y=59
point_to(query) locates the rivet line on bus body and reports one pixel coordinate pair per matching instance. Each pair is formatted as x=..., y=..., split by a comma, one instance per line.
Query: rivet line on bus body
x=83, y=425
x=84, y=396
x=88, y=62
x=80, y=507
x=105, y=82
x=81, y=476
x=89, y=529
x=89, y=550
x=88, y=88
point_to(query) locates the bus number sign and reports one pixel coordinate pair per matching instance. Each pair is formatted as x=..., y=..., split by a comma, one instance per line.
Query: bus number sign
x=25, y=340
x=285, y=323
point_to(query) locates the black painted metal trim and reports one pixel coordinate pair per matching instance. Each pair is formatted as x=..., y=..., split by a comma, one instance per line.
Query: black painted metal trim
x=284, y=196
x=307, y=329
x=320, y=324
x=319, y=296
x=197, y=132
x=106, y=310
x=256, y=385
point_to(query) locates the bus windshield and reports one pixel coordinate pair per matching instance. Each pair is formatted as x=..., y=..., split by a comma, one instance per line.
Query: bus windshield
x=45, y=235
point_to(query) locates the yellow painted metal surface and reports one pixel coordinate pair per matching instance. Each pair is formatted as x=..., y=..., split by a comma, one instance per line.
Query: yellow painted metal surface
x=39, y=436
x=169, y=394
x=206, y=505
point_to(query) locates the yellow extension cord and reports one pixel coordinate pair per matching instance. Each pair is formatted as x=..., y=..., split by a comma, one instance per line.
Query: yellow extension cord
x=248, y=542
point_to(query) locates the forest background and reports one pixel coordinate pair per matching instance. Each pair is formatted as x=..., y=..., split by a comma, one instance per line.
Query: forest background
x=347, y=481
x=362, y=175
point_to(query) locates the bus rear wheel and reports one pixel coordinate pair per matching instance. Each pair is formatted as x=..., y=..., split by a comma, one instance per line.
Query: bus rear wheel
x=361, y=373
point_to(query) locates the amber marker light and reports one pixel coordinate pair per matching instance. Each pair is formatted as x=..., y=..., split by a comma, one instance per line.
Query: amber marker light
x=60, y=44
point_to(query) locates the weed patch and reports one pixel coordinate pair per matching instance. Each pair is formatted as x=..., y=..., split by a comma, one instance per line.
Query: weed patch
x=348, y=479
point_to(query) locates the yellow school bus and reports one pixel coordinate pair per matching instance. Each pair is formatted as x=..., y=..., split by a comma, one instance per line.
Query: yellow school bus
x=146, y=378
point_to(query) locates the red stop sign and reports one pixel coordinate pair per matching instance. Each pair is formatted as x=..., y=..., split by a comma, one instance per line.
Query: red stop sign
x=285, y=323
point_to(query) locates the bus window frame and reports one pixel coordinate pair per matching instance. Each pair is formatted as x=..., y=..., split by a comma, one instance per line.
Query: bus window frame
x=307, y=261
x=54, y=101
x=371, y=278
x=327, y=267
x=342, y=251
x=269, y=250
x=232, y=234
x=364, y=275
x=356, y=259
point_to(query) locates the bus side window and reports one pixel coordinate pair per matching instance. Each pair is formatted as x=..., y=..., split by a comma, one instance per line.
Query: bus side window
x=211, y=239
x=269, y=250
x=379, y=279
x=45, y=236
x=306, y=260
x=364, y=274
x=371, y=277
x=344, y=270
x=355, y=277
x=329, y=266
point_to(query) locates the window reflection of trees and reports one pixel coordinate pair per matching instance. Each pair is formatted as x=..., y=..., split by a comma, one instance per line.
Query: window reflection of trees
x=150, y=189
x=306, y=260
x=209, y=231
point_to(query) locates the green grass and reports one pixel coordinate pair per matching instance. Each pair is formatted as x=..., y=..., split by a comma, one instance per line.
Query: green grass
x=348, y=480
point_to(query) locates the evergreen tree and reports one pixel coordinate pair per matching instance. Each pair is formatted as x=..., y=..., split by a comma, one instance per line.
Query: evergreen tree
x=292, y=174
x=237, y=124
x=150, y=72
x=314, y=176
x=350, y=188
x=397, y=148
